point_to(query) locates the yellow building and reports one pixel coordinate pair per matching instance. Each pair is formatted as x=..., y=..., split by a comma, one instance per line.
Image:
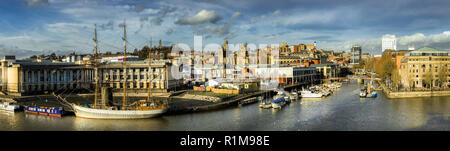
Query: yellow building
x=420, y=66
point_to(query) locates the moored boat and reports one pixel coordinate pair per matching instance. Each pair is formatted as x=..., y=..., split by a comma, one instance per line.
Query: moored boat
x=372, y=95
x=278, y=103
x=363, y=93
x=9, y=106
x=47, y=111
x=310, y=94
x=112, y=113
x=143, y=109
x=248, y=101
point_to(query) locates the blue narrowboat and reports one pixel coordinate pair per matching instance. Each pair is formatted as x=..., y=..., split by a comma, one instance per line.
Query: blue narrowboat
x=48, y=111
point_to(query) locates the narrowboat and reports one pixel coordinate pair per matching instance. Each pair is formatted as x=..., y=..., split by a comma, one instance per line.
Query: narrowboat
x=47, y=111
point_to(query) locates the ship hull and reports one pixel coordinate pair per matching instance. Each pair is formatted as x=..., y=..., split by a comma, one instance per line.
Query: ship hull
x=115, y=114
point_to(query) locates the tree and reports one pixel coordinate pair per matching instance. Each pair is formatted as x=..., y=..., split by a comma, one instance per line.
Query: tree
x=396, y=78
x=369, y=65
x=428, y=79
x=53, y=56
x=442, y=75
x=385, y=66
x=410, y=80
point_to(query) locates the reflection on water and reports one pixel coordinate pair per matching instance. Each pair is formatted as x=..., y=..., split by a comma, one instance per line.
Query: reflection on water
x=81, y=124
x=7, y=119
x=343, y=110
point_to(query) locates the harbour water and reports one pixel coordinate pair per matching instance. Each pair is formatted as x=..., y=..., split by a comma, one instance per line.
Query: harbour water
x=343, y=110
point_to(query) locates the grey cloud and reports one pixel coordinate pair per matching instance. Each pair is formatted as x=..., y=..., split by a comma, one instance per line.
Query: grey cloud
x=166, y=10
x=236, y=15
x=156, y=21
x=204, y=16
x=169, y=31
x=18, y=52
x=107, y=26
x=275, y=13
x=37, y=3
x=143, y=18
x=139, y=7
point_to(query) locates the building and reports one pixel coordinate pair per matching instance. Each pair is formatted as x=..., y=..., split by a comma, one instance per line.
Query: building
x=356, y=54
x=286, y=74
x=417, y=65
x=388, y=42
x=119, y=58
x=328, y=70
x=74, y=58
x=25, y=77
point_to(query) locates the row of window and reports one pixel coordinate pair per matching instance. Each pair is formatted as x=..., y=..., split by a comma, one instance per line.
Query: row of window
x=430, y=59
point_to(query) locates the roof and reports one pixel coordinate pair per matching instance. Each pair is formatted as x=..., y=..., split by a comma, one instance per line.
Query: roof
x=427, y=51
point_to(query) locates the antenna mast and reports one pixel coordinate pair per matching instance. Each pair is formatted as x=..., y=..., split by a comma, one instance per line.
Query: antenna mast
x=95, y=67
x=149, y=68
x=125, y=75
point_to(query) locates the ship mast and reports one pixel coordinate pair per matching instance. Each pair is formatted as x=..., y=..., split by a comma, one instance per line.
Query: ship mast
x=95, y=66
x=124, y=65
x=149, y=68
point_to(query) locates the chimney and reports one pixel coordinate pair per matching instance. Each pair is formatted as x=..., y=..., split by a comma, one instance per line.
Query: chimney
x=160, y=44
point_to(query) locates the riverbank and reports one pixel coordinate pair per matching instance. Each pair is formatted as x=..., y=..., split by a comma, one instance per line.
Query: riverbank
x=413, y=94
x=182, y=102
x=208, y=105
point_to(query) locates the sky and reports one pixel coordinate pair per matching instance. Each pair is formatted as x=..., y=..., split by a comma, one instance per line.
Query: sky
x=34, y=27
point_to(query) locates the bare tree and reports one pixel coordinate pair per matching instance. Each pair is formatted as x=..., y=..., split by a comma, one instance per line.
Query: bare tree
x=442, y=75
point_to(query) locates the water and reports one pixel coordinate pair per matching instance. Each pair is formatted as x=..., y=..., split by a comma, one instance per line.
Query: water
x=343, y=110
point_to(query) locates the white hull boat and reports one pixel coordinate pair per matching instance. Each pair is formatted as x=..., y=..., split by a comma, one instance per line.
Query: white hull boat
x=8, y=106
x=85, y=112
x=309, y=94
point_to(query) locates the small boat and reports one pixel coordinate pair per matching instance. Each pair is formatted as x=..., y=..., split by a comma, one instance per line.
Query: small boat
x=278, y=103
x=372, y=95
x=248, y=101
x=363, y=93
x=265, y=105
x=310, y=94
x=9, y=106
x=294, y=95
x=47, y=111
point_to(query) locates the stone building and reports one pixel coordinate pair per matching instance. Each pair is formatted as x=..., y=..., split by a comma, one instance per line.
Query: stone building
x=417, y=65
x=25, y=77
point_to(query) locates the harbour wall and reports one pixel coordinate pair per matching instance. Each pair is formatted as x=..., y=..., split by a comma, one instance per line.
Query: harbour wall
x=412, y=94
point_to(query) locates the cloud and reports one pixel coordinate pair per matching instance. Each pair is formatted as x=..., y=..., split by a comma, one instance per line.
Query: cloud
x=169, y=31
x=107, y=26
x=236, y=15
x=204, y=16
x=37, y=3
x=275, y=13
x=143, y=18
x=162, y=13
x=419, y=40
x=156, y=21
x=257, y=19
x=18, y=52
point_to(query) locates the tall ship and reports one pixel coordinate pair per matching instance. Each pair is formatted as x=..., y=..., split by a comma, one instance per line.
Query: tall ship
x=137, y=110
